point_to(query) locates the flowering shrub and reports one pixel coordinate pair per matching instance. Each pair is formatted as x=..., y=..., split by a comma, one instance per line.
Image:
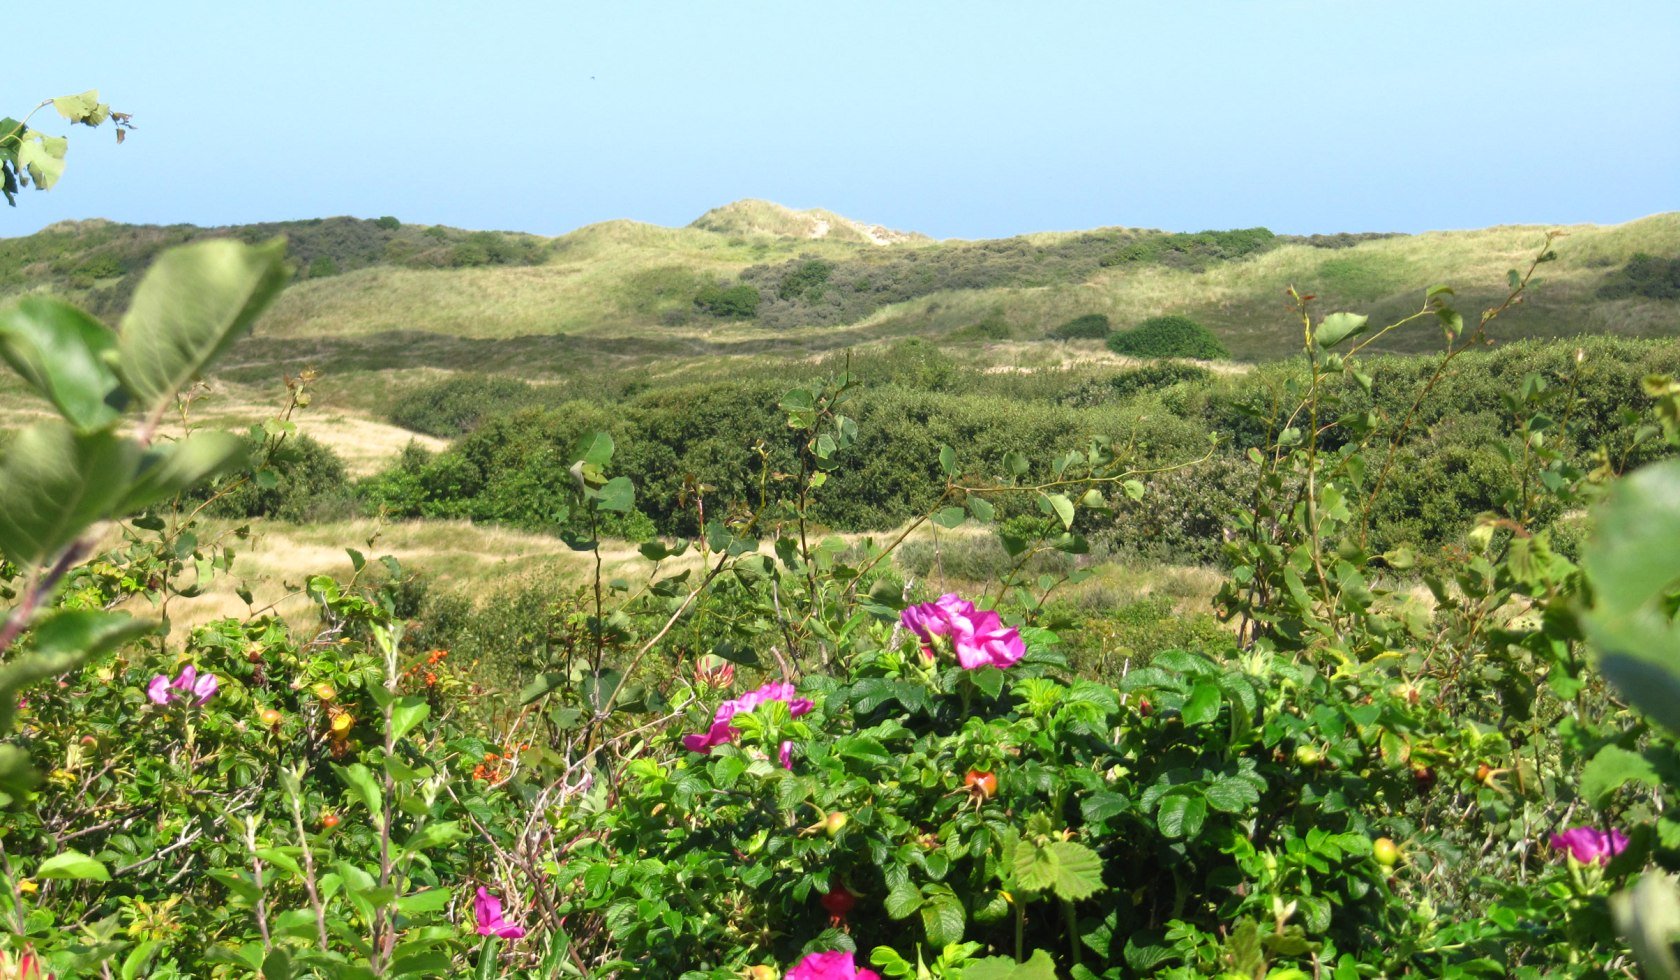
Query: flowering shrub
x=1354, y=780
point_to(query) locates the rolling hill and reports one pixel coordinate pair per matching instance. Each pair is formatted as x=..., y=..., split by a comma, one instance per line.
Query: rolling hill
x=405, y=302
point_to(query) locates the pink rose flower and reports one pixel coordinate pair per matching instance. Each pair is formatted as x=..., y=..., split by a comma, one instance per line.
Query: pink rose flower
x=978, y=636
x=721, y=731
x=787, y=755
x=487, y=909
x=837, y=965
x=1589, y=845
x=188, y=684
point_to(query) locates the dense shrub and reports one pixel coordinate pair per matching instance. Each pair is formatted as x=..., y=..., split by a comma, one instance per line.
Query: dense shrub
x=1194, y=251
x=456, y=405
x=1091, y=326
x=737, y=302
x=1644, y=275
x=1168, y=336
x=303, y=481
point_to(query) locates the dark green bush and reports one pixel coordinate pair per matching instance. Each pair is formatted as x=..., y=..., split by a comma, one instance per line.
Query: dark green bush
x=388, y=223
x=1168, y=336
x=1091, y=326
x=309, y=483
x=456, y=406
x=737, y=302
x=1644, y=275
x=1185, y=250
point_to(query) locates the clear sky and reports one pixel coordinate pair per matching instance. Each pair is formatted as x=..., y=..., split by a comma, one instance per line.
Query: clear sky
x=958, y=119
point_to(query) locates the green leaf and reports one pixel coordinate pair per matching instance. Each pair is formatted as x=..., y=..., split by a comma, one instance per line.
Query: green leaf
x=407, y=713
x=363, y=786
x=1133, y=488
x=1181, y=815
x=1231, y=795
x=1037, y=967
x=43, y=157
x=1648, y=916
x=1062, y=506
x=193, y=304
x=62, y=352
x=981, y=508
x=1611, y=769
x=1634, y=567
x=943, y=917
x=1072, y=871
x=902, y=900
x=78, y=108
x=947, y=460
x=1338, y=327
x=58, y=482
x=950, y=517
x=169, y=469
x=435, y=834
x=1202, y=706
x=73, y=865
x=618, y=495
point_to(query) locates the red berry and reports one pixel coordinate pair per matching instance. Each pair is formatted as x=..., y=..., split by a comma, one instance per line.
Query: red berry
x=838, y=901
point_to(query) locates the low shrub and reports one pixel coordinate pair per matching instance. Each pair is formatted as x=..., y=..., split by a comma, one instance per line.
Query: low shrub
x=1168, y=336
x=457, y=405
x=1644, y=275
x=1091, y=326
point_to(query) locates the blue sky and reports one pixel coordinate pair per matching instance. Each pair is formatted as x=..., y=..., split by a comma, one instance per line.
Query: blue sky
x=958, y=119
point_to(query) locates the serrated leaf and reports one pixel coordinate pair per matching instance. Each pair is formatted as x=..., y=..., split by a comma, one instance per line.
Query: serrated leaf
x=1072, y=871
x=1181, y=815
x=1037, y=967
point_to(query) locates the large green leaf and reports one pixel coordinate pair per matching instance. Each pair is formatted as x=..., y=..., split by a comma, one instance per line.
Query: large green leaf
x=1634, y=568
x=1338, y=327
x=195, y=301
x=1611, y=769
x=62, y=352
x=57, y=482
x=168, y=469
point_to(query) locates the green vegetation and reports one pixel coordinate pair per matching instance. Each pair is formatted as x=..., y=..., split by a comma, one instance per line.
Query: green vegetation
x=737, y=302
x=969, y=747
x=1644, y=275
x=1168, y=336
x=1193, y=251
x=1091, y=326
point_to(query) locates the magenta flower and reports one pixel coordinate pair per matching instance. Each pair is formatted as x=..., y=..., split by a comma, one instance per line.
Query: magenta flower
x=721, y=731
x=487, y=909
x=1588, y=845
x=787, y=755
x=188, y=684
x=978, y=636
x=837, y=965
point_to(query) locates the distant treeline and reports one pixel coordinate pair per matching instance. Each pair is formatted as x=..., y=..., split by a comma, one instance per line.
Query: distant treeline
x=724, y=436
